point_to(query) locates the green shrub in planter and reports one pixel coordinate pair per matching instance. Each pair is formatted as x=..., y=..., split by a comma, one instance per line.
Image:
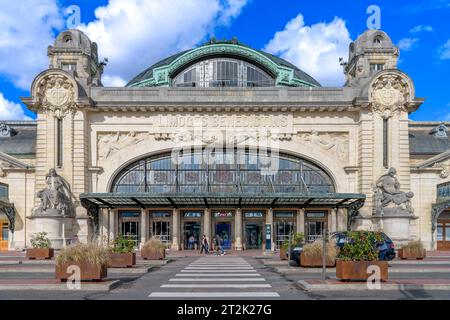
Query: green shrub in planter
x=123, y=244
x=361, y=246
x=40, y=241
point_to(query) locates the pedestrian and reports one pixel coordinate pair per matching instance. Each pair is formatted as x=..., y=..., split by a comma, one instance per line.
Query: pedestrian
x=217, y=244
x=222, y=251
x=204, y=244
x=191, y=242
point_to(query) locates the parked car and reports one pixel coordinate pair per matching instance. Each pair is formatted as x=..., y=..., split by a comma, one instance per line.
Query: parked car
x=386, y=249
x=295, y=254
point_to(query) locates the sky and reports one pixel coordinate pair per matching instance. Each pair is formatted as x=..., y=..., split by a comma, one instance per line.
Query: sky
x=313, y=35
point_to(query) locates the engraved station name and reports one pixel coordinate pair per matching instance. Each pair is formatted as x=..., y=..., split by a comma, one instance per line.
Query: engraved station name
x=226, y=120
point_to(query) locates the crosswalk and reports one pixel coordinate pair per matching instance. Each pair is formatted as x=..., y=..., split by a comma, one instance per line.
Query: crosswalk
x=217, y=277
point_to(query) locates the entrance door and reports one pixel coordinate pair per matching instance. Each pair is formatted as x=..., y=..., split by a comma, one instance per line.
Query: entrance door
x=315, y=230
x=283, y=229
x=4, y=233
x=192, y=231
x=161, y=230
x=443, y=235
x=223, y=229
x=130, y=229
x=253, y=236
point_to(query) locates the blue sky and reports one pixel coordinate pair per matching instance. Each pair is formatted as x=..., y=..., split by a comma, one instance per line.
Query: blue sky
x=134, y=34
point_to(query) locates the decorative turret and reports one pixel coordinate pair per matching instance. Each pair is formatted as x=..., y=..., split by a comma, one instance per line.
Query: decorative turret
x=76, y=54
x=371, y=52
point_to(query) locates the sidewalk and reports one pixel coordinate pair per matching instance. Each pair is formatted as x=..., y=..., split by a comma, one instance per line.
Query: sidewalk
x=398, y=284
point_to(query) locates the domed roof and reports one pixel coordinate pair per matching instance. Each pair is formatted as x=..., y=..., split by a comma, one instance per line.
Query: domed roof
x=286, y=73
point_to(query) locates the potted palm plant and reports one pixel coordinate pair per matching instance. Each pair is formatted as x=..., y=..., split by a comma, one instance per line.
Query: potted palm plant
x=358, y=254
x=41, y=247
x=153, y=249
x=91, y=259
x=122, y=253
x=312, y=254
x=412, y=250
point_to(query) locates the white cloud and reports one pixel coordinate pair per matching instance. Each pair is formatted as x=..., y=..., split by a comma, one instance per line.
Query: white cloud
x=444, y=51
x=407, y=44
x=134, y=34
x=26, y=29
x=113, y=81
x=421, y=28
x=10, y=110
x=316, y=49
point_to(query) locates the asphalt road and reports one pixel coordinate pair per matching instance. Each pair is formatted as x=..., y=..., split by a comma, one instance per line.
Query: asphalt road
x=225, y=278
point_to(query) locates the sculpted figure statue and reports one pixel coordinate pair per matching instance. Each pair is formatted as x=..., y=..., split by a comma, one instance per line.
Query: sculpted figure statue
x=389, y=193
x=55, y=197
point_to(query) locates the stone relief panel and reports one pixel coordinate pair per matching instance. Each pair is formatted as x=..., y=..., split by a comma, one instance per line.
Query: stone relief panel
x=336, y=143
x=108, y=143
x=56, y=95
x=390, y=94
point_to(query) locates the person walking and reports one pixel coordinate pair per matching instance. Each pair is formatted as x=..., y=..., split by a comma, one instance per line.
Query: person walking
x=204, y=245
x=217, y=244
x=191, y=242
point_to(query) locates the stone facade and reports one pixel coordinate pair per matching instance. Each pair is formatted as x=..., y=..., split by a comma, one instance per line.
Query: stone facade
x=353, y=133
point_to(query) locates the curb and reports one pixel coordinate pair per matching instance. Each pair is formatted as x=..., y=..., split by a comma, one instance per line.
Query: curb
x=300, y=270
x=106, y=286
x=362, y=287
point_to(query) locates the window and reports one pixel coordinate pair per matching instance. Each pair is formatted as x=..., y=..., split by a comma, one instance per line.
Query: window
x=375, y=67
x=4, y=191
x=59, y=143
x=223, y=72
x=377, y=40
x=385, y=143
x=223, y=171
x=70, y=67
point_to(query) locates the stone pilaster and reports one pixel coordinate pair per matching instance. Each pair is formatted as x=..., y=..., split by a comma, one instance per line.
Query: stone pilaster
x=207, y=225
x=238, y=229
x=176, y=230
x=269, y=220
x=301, y=220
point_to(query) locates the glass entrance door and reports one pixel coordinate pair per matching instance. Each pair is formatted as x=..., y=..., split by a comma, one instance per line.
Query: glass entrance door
x=253, y=236
x=223, y=229
x=315, y=230
x=161, y=231
x=4, y=233
x=283, y=229
x=191, y=233
x=130, y=229
x=443, y=235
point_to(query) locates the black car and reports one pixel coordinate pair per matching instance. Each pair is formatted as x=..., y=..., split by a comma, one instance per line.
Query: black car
x=295, y=254
x=386, y=249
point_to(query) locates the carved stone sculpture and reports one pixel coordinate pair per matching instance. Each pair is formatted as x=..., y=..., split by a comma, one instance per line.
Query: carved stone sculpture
x=390, y=94
x=57, y=95
x=389, y=199
x=55, y=198
x=111, y=142
x=333, y=142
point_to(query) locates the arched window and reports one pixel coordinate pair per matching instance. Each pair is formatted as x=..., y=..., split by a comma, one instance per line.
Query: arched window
x=223, y=72
x=223, y=171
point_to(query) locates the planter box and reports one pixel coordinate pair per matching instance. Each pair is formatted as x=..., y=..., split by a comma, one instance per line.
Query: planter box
x=153, y=255
x=283, y=254
x=40, y=254
x=357, y=270
x=122, y=260
x=406, y=254
x=88, y=272
x=306, y=261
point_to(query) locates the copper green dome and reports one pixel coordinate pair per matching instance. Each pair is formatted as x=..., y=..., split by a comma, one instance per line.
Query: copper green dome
x=254, y=68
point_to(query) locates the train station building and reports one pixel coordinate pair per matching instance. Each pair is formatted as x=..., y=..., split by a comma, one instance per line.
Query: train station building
x=223, y=139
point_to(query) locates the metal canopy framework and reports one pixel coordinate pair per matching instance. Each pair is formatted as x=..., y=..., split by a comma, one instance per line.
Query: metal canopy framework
x=222, y=200
x=7, y=208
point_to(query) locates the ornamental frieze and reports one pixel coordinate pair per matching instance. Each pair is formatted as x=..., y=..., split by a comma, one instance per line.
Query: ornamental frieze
x=389, y=95
x=109, y=143
x=336, y=143
x=56, y=94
